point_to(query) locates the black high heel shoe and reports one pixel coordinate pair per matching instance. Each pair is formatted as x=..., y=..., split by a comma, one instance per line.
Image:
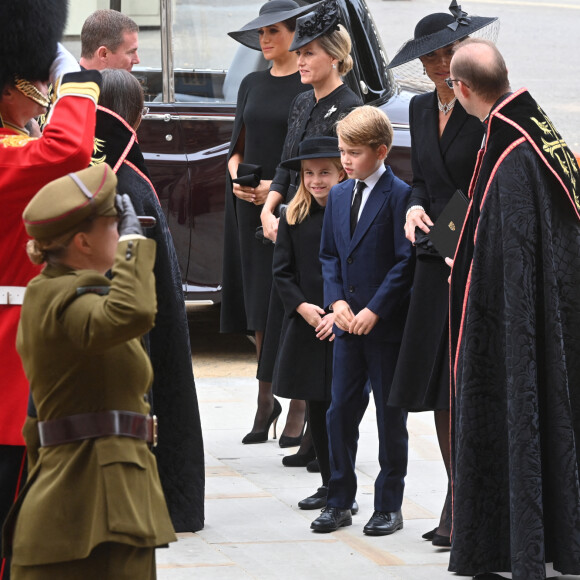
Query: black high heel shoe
x=286, y=441
x=262, y=436
x=299, y=459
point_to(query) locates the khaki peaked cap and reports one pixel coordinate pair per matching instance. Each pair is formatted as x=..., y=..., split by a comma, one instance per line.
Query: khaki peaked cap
x=66, y=202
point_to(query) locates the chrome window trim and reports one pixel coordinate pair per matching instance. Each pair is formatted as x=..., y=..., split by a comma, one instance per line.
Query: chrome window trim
x=166, y=117
x=166, y=51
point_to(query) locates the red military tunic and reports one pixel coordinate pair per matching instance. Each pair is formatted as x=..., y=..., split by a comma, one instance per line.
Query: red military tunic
x=26, y=165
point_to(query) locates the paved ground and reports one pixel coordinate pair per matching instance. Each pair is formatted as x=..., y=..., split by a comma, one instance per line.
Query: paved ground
x=254, y=528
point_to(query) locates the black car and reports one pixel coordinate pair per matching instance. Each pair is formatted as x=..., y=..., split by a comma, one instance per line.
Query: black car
x=191, y=72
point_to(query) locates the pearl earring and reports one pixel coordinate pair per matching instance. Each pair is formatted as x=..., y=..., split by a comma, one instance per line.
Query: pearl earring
x=333, y=65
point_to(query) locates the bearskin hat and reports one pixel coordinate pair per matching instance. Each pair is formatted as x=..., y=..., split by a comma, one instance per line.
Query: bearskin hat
x=29, y=32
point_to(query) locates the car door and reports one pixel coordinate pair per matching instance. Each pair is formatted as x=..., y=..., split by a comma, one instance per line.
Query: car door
x=187, y=132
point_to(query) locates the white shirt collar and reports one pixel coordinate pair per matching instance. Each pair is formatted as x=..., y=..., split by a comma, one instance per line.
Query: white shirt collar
x=372, y=179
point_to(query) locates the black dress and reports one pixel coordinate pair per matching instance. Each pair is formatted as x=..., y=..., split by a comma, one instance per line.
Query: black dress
x=304, y=366
x=263, y=104
x=308, y=118
x=440, y=167
x=180, y=456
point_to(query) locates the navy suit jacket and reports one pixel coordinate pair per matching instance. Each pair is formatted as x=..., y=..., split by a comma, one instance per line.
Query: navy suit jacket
x=374, y=269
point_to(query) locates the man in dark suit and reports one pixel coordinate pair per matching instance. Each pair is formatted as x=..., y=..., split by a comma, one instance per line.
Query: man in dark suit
x=367, y=266
x=109, y=39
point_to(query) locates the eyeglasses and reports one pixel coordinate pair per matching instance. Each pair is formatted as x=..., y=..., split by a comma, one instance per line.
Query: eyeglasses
x=145, y=111
x=449, y=82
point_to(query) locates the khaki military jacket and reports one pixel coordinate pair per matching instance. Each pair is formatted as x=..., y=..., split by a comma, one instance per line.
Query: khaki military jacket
x=79, y=340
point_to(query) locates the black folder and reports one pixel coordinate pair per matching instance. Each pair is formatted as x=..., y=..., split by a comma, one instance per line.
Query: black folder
x=444, y=234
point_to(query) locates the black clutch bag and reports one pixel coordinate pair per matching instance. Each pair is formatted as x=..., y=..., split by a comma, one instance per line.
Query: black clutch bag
x=249, y=175
x=444, y=234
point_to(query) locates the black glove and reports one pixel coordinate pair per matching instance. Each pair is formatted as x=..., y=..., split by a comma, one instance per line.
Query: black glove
x=128, y=220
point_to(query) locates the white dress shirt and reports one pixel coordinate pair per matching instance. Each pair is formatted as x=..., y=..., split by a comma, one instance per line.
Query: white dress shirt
x=371, y=181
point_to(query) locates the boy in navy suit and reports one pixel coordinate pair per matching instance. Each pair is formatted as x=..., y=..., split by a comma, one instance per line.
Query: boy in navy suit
x=367, y=266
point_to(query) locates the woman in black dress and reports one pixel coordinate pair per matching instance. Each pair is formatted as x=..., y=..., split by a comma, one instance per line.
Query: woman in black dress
x=323, y=48
x=444, y=144
x=264, y=99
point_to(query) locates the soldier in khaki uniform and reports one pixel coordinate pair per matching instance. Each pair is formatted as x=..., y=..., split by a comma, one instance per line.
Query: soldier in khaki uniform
x=93, y=505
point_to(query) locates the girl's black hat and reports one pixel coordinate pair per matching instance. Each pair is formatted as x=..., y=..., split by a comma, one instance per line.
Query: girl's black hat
x=313, y=148
x=270, y=13
x=438, y=30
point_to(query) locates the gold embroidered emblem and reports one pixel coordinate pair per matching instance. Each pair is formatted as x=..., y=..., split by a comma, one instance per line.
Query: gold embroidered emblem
x=98, y=147
x=556, y=148
x=16, y=140
x=451, y=226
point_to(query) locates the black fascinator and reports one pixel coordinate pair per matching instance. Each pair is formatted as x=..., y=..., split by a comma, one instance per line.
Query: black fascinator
x=324, y=20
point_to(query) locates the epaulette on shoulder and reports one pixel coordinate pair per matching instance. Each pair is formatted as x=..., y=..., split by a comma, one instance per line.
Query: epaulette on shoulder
x=15, y=140
x=100, y=290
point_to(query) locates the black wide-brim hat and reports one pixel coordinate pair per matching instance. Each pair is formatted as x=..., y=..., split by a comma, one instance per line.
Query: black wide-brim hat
x=438, y=30
x=270, y=13
x=313, y=148
x=324, y=20
x=29, y=32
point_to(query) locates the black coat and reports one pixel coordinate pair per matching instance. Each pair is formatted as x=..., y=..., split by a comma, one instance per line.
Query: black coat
x=179, y=453
x=440, y=167
x=515, y=315
x=304, y=364
x=180, y=456
x=308, y=118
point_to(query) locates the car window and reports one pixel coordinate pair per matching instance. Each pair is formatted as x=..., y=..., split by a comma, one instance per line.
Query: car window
x=208, y=64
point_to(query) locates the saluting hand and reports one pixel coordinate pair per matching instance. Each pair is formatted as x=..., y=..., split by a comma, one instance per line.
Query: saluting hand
x=128, y=220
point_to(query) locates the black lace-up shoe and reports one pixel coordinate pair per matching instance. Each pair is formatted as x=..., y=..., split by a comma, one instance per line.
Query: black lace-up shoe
x=331, y=519
x=384, y=523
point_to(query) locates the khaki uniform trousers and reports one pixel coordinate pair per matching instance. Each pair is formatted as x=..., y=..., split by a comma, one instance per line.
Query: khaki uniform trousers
x=108, y=561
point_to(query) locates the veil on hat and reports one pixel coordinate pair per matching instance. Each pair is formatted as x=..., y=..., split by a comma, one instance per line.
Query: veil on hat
x=434, y=32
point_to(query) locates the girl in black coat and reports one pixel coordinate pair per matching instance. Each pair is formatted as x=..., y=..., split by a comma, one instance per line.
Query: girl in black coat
x=323, y=47
x=303, y=368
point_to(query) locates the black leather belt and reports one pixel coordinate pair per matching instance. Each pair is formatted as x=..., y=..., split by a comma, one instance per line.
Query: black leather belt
x=93, y=425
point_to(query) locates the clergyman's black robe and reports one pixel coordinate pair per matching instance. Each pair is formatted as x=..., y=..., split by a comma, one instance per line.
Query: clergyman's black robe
x=515, y=349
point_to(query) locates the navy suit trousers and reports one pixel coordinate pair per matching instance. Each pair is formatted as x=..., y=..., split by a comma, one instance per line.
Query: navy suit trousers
x=357, y=360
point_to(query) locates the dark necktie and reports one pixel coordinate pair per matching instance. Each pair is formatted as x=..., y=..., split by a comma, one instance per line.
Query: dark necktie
x=355, y=206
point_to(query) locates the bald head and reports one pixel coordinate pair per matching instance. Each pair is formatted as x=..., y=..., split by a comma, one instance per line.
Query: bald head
x=479, y=65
